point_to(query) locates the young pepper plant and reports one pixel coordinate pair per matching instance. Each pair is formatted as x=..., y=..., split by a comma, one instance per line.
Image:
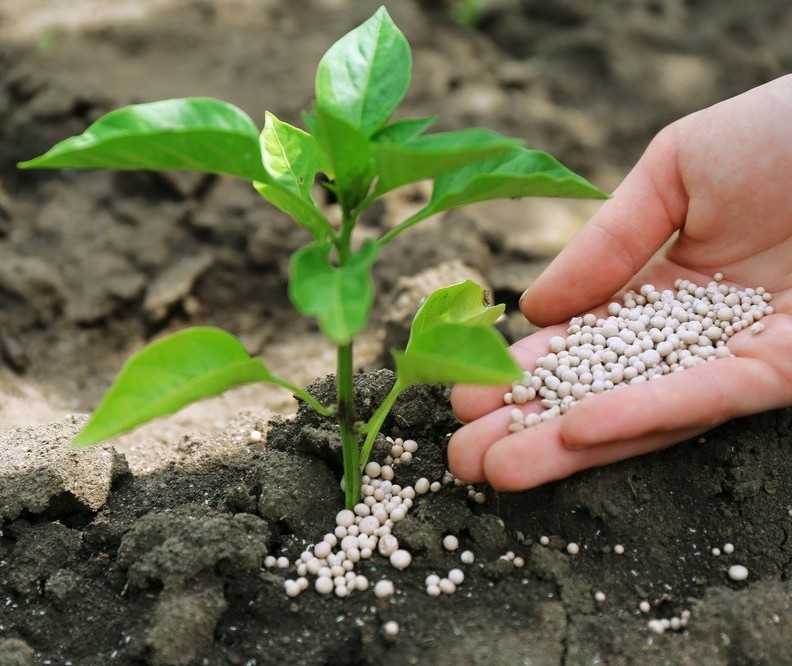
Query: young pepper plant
x=362, y=154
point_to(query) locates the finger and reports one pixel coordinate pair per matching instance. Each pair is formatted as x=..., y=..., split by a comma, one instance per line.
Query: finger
x=537, y=455
x=646, y=209
x=468, y=445
x=473, y=402
x=699, y=397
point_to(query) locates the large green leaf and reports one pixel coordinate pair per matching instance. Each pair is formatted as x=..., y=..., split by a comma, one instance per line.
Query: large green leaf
x=464, y=303
x=431, y=155
x=348, y=150
x=292, y=158
x=363, y=77
x=340, y=297
x=168, y=375
x=519, y=173
x=193, y=134
x=457, y=353
x=404, y=130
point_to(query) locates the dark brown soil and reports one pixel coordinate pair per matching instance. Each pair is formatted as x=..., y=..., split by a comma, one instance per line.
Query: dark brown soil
x=168, y=569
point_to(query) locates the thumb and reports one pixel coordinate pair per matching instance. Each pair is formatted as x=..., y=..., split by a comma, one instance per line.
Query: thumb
x=646, y=209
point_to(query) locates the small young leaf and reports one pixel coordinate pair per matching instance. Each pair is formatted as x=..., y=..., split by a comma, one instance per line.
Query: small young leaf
x=169, y=374
x=431, y=155
x=364, y=76
x=456, y=353
x=193, y=134
x=464, y=303
x=292, y=158
x=339, y=296
x=348, y=150
x=404, y=130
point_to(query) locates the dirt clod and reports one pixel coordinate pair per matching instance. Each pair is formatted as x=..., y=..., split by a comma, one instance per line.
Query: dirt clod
x=172, y=548
x=41, y=475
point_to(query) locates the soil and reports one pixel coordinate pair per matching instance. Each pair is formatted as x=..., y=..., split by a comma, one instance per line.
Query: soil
x=151, y=551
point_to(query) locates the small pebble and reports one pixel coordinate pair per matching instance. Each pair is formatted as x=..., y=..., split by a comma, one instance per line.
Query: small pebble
x=618, y=549
x=450, y=542
x=255, y=436
x=645, y=606
x=599, y=597
x=572, y=548
x=738, y=572
x=728, y=548
x=545, y=541
x=467, y=557
x=716, y=552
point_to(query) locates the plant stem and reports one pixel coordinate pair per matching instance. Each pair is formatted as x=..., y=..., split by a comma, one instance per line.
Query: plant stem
x=403, y=226
x=375, y=422
x=345, y=237
x=305, y=397
x=346, y=424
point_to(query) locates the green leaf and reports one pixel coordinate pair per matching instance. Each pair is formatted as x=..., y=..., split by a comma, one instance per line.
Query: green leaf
x=457, y=353
x=169, y=374
x=520, y=173
x=349, y=153
x=404, y=130
x=339, y=296
x=432, y=155
x=464, y=303
x=194, y=134
x=292, y=158
x=364, y=76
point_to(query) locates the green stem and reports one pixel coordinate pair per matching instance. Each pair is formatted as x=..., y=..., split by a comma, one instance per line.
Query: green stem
x=345, y=237
x=346, y=424
x=404, y=225
x=375, y=422
x=304, y=396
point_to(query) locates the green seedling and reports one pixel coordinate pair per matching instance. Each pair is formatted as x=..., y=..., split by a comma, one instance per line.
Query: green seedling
x=352, y=144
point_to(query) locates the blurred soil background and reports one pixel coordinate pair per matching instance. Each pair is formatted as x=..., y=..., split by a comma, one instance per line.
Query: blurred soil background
x=92, y=265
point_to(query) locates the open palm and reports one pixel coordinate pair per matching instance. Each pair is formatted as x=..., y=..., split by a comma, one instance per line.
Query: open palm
x=718, y=182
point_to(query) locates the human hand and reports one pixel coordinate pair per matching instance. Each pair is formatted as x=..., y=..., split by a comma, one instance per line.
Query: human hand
x=719, y=180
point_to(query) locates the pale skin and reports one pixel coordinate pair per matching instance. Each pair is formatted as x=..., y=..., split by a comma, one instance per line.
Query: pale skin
x=718, y=185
